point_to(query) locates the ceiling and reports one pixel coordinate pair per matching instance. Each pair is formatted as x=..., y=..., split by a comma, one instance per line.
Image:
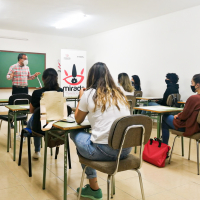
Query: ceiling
x=39, y=16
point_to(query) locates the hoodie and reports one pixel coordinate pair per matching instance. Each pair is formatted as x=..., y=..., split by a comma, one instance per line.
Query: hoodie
x=172, y=88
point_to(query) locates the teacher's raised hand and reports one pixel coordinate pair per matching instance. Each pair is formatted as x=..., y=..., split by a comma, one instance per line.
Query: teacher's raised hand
x=37, y=73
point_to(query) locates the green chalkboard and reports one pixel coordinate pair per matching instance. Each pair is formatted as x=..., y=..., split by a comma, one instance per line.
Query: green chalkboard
x=36, y=63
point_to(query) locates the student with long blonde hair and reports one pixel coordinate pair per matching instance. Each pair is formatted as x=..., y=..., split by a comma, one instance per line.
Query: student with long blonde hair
x=125, y=84
x=103, y=102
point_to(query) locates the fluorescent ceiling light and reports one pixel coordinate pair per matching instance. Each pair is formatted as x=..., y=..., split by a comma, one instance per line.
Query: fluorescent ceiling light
x=71, y=20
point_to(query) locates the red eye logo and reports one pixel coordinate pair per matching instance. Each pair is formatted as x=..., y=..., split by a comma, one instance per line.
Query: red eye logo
x=74, y=80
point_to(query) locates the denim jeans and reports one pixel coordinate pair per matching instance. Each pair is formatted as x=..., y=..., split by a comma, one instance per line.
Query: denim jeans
x=93, y=151
x=37, y=140
x=167, y=123
x=151, y=103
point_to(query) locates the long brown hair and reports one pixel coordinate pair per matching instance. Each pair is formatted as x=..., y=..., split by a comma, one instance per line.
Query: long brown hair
x=50, y=79
x=125, y=82
x=99, y=78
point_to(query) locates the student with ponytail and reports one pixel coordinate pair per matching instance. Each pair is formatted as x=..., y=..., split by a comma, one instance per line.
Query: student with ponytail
x=185, y=121
x=50, y=80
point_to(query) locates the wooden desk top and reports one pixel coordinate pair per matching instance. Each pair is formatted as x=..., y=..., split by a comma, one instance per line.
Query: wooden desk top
x=183, y=102
x=3, y=100
x=71, y=126
x=149, y=98
x=159, y=109
x=18, y=107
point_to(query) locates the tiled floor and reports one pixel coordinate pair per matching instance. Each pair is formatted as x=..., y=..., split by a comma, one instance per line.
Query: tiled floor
x=177, y=181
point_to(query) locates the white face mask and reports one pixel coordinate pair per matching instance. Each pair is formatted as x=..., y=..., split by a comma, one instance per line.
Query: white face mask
x=25, y=62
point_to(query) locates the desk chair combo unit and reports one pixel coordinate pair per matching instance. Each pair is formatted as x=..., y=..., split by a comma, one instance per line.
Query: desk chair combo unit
x=15, y=115
x=130, y=131
x=196, y=137
x=66, y=128
x=37, y=132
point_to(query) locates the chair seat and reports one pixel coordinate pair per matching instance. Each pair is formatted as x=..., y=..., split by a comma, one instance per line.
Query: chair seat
x=19, y=117
x=108, y=167
x=196, y=136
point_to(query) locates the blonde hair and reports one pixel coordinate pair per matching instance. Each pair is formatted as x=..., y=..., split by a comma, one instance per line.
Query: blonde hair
x=99, y=78
x=125, y=82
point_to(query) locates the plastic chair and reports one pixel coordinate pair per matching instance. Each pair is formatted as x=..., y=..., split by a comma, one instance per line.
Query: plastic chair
x=196, y=137
x=129, y=131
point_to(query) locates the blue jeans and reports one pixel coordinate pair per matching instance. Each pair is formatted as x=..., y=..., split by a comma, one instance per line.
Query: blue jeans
x=37, y=140
x=93, y=151
x=151, y=103
x=167, y=123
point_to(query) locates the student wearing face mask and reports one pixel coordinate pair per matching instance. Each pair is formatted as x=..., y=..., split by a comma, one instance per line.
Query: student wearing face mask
x=136, y=82
x=185, y=121
x=19, y=73
x=172, y=87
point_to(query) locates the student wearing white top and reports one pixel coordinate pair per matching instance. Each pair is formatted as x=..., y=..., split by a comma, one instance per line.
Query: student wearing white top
x=103, y=102
x=125, y=84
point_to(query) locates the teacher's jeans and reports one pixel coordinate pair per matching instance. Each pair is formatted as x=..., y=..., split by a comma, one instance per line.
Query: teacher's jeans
x=93, y=151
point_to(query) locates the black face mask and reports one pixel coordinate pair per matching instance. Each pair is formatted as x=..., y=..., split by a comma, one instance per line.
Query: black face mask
x=193, y=88
x=132, y=83
x=167, y=81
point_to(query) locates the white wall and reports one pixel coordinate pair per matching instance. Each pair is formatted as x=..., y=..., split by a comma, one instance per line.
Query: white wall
x=150, y=49
x=51, y=45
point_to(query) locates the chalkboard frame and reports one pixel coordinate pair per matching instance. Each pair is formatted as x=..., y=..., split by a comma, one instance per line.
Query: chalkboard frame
x=16, y=62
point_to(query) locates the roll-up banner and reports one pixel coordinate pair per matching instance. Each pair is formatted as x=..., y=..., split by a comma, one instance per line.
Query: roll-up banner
x=73, y=69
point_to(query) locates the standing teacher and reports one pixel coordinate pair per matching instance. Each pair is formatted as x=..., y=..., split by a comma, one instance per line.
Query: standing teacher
x=19, y=74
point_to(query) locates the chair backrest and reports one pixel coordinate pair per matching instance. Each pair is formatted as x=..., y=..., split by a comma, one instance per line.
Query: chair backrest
x=138, y=93
x=134, y=135
x=132, y=101
x=21, y=98
x=36, y=125
x=173, y=99
x=198, y=118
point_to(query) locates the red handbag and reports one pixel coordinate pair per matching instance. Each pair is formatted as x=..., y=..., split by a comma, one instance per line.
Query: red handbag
x=156, y=152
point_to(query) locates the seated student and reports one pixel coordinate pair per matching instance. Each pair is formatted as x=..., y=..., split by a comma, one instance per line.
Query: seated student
x=125, y=84
x=186, y=121
x=136, y=82
x=103, y=102
x=172, y=87
x=50, y=80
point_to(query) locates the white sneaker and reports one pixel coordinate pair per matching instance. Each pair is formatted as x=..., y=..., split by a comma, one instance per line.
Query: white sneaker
x=36, y=155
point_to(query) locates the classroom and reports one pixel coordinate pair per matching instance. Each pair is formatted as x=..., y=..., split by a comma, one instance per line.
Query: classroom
x=155, y=40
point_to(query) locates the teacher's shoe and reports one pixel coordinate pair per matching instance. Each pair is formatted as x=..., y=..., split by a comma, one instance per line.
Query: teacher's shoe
x=36, y=155
x=91, y=194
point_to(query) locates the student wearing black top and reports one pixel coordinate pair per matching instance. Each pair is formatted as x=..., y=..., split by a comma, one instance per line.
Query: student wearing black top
x=172, y=87
x=50, y=80
x=136, y=82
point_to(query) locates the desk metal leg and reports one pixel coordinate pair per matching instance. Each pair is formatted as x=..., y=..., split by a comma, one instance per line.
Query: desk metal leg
x=15, y=131
x=182, y=144
x=65, y=166
x=158, y=125
x=8, y=135
x=45, y=161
